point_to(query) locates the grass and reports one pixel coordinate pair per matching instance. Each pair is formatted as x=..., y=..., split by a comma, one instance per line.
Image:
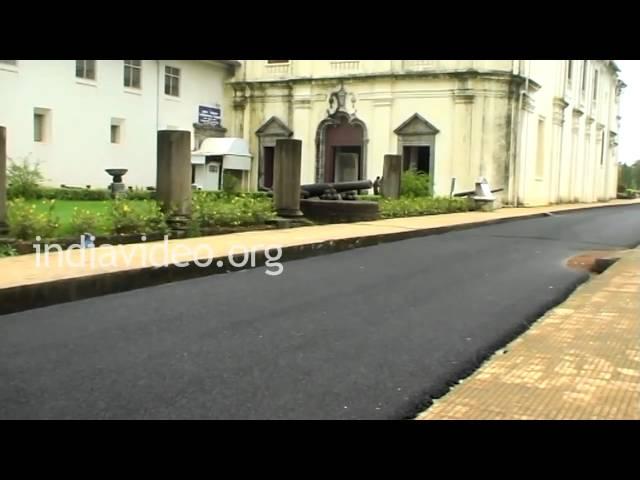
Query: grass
x=64, y=210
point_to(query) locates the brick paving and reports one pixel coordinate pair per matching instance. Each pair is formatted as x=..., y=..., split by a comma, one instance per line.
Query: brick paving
x=581, y=361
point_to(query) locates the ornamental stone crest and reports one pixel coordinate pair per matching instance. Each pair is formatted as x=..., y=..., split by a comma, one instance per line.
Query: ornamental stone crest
x=338, y=103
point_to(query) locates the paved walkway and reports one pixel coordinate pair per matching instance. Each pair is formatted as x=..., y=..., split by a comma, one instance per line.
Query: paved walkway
x=24, y=270
x=580, y=361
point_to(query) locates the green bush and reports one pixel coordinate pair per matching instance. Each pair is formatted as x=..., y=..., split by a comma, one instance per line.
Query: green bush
x=409, y=207
x=222, y=195
x=129, y=217
x=7, y=250
x=230, y=183
x=25, y=223
x=84, y=221
x=23, y=179
x=369, y=198
x=140, y=194
x=415, y=184
x=230, y=210
x=74, y=194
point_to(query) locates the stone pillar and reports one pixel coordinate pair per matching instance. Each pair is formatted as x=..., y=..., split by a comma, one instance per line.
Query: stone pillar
x=3, y=181
x=461, y=154
x=382, y=131
x=301, y=119
x=174, y=176
x=392, y=176
x=286, y=177
x=555, y=187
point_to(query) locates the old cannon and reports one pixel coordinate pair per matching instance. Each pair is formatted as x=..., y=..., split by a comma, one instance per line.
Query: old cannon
x=337, y=202
x=335, y=191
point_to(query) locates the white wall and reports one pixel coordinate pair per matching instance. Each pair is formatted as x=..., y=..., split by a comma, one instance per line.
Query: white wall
x=79, y=146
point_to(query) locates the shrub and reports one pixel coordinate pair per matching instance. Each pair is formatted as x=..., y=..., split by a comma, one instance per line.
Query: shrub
x=408, y=207
x=140, y=194
x=230, y=210
x=222, y=195
x=78, y=194
x=137, y=217
x=25, y=223
x=23, y=179
x=74, y=194
x=230, y=183
x=7, y=250
x=85, y=221
x=415, y=184
x=369, y=198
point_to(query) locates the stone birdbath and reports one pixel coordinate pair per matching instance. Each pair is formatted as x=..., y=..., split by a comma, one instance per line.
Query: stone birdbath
x=117, y=186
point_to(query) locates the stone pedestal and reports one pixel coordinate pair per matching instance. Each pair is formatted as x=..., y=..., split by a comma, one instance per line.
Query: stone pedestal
x=483, y=199
x=174, y=177
x=286, y=177
x=484, y=205
x=117, y=187
x=391, y=176
x=3, y=181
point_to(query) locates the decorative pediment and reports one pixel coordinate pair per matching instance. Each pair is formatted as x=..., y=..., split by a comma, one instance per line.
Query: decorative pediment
x=274, y=127
x=416, y=125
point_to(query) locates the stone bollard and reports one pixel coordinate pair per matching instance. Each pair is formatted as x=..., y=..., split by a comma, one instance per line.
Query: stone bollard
x=392, y=176
x=4, y=228
x=286, y=177
x=174, y=178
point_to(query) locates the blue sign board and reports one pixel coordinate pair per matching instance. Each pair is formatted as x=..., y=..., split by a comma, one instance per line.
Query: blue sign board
x=209, y=116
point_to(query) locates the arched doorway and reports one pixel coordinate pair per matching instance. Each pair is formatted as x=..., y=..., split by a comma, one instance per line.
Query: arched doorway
x=341, y=149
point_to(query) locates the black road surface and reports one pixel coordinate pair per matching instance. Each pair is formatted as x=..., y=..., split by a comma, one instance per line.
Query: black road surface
x=371, y=333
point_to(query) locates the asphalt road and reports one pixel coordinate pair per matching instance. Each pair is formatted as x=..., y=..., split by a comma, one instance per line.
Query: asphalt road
x=371, y=333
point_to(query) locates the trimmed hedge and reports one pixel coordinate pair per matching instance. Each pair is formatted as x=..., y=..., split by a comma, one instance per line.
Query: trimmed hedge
x=78, y=194
x=411, y=207
x=211, y=209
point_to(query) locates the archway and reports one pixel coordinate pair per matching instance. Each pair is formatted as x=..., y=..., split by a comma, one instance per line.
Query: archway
x=341, y=149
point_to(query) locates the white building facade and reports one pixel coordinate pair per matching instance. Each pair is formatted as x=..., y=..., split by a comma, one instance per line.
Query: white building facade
x=79, y=117
x=544, y=131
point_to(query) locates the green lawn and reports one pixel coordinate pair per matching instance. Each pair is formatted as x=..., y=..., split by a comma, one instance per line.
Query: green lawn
x=64, y=210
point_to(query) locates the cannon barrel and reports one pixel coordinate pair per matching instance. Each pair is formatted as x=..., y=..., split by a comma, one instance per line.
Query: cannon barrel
x=317, y=189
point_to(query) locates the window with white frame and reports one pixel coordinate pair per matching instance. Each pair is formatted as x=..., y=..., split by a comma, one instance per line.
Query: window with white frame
x=132, y=73
x=172, y=81
x=86, y=69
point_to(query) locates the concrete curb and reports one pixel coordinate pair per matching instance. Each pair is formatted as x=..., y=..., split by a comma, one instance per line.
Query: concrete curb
x=26, y=297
